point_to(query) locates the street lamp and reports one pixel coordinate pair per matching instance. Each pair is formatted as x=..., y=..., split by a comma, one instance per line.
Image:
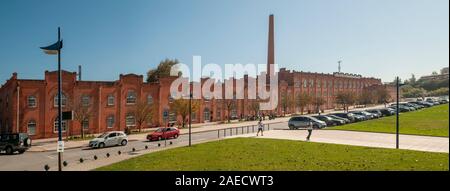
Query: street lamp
x=397, y=125
x=56, y=49
x=190, y=113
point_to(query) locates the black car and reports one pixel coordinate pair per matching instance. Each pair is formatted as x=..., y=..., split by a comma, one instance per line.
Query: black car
x=13, y=142
x=329, y=120
x=422, y=103
x=340, y=118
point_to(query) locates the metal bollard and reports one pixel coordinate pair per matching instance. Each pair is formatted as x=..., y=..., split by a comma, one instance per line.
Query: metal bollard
x=65, y=163
x=81, y=160
x=107, y=155
x=46, y=167
x=242, y=128
x=133, y=149
x=146, y=147
x=224, y=133
x=218, y=133
x=95, y=157
x=118, y=152
x=231, y=132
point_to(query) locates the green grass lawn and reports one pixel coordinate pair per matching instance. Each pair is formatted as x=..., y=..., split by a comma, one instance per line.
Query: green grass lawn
x=430, y=121
x=250, y=154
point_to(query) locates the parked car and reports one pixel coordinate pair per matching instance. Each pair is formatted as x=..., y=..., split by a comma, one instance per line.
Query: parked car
x=303, y=122
x=329, y=120
x=401, y=108
x=348, y=116
x=417, y=107
x=422, y=103
x=341, y=118
x=13, y=142
x=376, y=112
x=366, y=115
x=164, y=133
x=387, y=111
x=109, y=139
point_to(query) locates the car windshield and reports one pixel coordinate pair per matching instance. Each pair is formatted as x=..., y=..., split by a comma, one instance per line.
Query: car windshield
x=159, y=130
x=103, y=135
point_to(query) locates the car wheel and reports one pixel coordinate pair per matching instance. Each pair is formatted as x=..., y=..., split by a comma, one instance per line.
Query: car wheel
x=159, y=138
x=291, y=127
x=101, y=145
x=124, y=142
x=175, y=136
x=315, y=126
x=9, y=150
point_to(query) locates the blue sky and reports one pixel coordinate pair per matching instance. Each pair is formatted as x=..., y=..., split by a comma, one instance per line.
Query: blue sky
x=379, y=38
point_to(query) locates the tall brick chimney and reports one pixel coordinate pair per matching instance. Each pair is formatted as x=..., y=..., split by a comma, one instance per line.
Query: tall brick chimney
x=271, y=47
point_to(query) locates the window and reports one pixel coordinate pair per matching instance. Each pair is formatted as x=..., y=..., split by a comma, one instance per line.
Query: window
x=85, y=124
x=63, y=100
x=32, y=101
x=172, y=117
x=170, y=98
x=31, y=127
x=110, y=100
x=110, y=121
x=311, y=83
x=63, y=126
x=130, y=120
x=318, y=83
x=206, y=114
x=131, y=97
x=194, y=116
x=149, y=99
x=305, y=83
x=85, y=100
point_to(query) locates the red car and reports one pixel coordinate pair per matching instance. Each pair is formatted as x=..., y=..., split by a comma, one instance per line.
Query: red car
x=164, y=133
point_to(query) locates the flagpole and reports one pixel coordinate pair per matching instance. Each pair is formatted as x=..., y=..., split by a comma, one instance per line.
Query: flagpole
x=59, y=102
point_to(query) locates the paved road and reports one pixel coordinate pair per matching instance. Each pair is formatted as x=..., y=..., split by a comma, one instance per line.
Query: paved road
x=35, y=161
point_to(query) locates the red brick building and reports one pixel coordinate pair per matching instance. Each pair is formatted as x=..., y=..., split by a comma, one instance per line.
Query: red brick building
x=31, y=105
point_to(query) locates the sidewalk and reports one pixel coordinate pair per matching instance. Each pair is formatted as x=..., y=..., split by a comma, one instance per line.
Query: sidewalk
x=380, y=140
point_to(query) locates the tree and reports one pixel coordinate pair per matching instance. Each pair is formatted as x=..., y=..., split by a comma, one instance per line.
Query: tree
x=302, y=100
x=229, y=105
x=345, y=98
x=434, y=73
x=366, y=97
x=317, y=102
x=254, y=107
x=143, y=112
x=286, y=101
x=439, y=92
x=382, y=96
x=82, y=113
x=411, y=92
x=412, y=80
x=163, y=70
x=181, y=108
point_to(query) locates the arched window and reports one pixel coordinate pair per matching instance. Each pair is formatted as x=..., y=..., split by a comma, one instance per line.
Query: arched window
x=85, y=100
x=206, y=114
x=85, y=124
x=110, y=121
x=110, y=100
x=31, y=127
x=63, y=126
x=130, y=120
x=131, y=97
x=32, y=102
x=149, y=99
x=63, y=100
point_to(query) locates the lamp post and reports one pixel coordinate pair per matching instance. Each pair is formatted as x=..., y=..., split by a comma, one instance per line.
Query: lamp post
x=397, y=121
x=190, y=113
x=52, y=50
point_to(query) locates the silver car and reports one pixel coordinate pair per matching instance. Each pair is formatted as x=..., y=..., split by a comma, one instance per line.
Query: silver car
x=109, y=139
x=304, y=121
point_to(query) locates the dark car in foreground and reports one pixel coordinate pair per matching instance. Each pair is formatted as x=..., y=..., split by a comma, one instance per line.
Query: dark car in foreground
x=304, y=121
x=329, y=120
x=13, y=142
x=387, y=111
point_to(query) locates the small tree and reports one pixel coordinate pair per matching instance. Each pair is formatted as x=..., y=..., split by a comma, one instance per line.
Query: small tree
x=143, y=112
x=345, y=99
x=229, y=105
x=382, y=96
x=254, y=107
x=302, y=100
x=82, y=112
x=365, y=98
x=317, y=102
x=181, y=108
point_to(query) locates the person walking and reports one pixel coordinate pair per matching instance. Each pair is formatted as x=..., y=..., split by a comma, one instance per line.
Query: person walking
x=310, y=129
x=260, y=128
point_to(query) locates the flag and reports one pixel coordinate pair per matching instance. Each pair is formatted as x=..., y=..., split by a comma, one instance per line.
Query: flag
x=54, y=48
